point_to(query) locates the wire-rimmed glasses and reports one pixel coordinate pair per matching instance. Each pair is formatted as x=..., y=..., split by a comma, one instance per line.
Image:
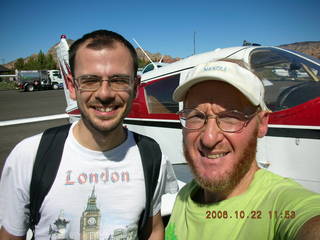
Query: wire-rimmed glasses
x=228, y=121
x=93, y=82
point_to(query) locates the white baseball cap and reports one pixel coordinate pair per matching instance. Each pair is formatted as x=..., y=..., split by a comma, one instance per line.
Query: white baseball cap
x=240, y=78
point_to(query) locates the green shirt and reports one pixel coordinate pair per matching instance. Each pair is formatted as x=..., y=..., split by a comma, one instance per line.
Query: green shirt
x=273, y=207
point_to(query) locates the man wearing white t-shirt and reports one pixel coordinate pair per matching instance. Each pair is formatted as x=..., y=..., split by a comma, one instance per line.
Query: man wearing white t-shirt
x=99, y=190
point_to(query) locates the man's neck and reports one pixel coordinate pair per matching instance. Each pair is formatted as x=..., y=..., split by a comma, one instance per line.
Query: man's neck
x=96, y=140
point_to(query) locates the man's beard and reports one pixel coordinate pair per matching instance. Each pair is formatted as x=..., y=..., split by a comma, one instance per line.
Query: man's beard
x=91, y=125
x=231, y=178
x=100, y=129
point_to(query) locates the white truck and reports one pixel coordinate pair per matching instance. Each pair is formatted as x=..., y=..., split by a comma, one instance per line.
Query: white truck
x=56, y=79
x=30, y=80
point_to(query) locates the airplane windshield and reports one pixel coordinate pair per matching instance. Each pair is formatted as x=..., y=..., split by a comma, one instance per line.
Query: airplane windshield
x=289, y=80
x=305, y=55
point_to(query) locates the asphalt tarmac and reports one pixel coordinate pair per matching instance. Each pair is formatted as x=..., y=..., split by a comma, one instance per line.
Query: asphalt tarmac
x=15, y=104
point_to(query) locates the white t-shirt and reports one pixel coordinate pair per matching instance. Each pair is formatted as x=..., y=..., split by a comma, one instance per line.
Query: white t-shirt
x=96, y=195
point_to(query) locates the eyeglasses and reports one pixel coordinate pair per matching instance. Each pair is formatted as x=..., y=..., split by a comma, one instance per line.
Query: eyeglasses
x=227, y=121
x=93, y=82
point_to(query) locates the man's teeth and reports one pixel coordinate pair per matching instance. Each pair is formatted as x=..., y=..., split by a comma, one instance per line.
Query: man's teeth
x=213, y=156
x=102, y=109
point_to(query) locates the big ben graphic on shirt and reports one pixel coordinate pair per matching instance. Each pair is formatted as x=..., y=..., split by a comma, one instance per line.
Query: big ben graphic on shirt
x=90, y=220
x=92, y=225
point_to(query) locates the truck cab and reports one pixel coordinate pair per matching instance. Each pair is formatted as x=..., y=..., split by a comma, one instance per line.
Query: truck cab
x=56, y=79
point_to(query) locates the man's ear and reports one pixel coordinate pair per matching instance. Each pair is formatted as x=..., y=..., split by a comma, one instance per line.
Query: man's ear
x=263, y=123
x=71, y=87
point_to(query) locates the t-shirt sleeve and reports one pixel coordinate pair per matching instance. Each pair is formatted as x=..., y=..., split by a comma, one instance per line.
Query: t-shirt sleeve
x=300, y=206
x=167, y=184
x=14, y=187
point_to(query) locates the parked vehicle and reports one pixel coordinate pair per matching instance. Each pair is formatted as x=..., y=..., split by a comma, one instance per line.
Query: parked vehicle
x=56, y=79
x=30, y=80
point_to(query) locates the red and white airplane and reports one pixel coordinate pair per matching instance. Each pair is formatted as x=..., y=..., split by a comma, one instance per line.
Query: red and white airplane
x=292, y=145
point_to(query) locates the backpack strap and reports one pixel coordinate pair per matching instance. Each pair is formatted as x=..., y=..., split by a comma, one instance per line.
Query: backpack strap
x=45, y=168
x=47, y=163
x=151, y=155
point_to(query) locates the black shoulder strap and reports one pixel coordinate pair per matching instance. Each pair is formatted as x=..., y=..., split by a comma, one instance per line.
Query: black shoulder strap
x=45, y=168
x=48, y=160
x=151, y=159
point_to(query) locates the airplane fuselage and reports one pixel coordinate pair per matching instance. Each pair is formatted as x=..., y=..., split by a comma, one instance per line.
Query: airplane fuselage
x=291, y=147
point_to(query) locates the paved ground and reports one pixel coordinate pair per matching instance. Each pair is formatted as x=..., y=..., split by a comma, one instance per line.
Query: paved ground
x=18, y=105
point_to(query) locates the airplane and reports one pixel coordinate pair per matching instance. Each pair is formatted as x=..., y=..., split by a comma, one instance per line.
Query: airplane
x=292, y=145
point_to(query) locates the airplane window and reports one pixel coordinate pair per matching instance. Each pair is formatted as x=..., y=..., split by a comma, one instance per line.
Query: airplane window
x=159, y=95
x=289, y=80
x=151, y=66
x=148, y=68
x=56, y=74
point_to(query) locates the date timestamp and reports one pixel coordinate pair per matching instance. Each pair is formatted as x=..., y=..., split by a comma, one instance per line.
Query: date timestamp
x=256, y=214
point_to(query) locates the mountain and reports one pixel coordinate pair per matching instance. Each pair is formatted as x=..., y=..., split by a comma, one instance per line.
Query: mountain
x=156, y=57
x=311, y=48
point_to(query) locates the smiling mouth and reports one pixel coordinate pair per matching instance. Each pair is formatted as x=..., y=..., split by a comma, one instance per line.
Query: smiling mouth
x=105, y=109
x=214, y=156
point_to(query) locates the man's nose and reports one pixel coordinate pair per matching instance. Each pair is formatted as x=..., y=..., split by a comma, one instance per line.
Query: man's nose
x=104, y=91
x=211, y=134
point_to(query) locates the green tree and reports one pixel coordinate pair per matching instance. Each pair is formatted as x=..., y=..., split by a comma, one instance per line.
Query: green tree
x=41, y=61
x=37, y=62
x=50, y=62
x=32, y=63
x=19, y=64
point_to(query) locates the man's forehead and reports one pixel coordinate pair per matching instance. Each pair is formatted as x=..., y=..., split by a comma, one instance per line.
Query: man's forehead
x=85, y=48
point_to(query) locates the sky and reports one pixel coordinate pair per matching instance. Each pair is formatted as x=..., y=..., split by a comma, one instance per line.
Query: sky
x=168, y=27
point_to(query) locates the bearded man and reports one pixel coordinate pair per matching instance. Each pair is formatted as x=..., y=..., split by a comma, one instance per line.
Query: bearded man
x=230, y=198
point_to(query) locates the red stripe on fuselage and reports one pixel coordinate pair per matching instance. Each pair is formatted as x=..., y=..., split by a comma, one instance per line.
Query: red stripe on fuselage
x=306, y=114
